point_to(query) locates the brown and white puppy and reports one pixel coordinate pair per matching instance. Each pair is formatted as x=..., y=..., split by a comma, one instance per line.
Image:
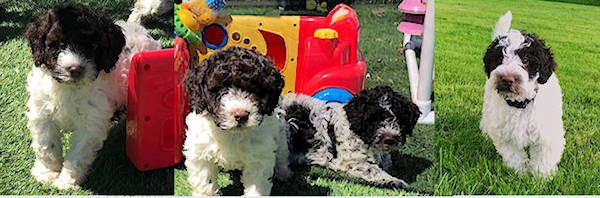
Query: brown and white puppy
x=233, y=96
x=78, y=80
x=522, y=104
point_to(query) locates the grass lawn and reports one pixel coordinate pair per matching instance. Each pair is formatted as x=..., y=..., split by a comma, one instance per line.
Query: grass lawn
x=379, y=43
x=112, y=172
x=467, y=162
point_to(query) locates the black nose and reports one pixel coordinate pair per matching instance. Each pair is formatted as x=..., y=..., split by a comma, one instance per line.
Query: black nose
x=75, y=71
x=241, y=117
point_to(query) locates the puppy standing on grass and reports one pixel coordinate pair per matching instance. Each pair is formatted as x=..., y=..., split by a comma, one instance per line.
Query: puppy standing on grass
x=78, y=81
x=233, y=94
x=522, y=105
x=355, y=137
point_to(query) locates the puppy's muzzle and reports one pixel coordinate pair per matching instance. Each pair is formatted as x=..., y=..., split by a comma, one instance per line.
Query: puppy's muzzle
x=241, y=117
x=389, y=139
x=507, y=83
x=75, y=72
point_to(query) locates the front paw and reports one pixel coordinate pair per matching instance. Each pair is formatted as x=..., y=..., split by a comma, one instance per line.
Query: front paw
x=65, y=182
x=44, y=175
x=396, y=184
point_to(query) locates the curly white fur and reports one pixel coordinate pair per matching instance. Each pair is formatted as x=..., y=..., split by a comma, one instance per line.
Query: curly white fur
x=257, y=151
x=85, y=109
x=538, y=126
x=143, y=8
x=354, y=157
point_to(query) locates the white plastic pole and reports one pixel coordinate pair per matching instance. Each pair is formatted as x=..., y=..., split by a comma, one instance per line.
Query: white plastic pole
x=411, y=67
x=427, y=66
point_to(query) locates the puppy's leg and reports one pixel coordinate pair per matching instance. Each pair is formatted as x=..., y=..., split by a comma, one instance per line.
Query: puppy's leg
x=47, y=146
x=202, y=176
x=513, y=155
x=373, y=173
x=545, y=155
x=385, y=161
x=282, y=170
x=257, y=178
x=140, y=9
x=85, y=143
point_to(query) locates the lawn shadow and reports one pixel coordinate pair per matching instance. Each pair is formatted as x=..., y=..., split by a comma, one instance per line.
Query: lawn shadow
x=112, y=173
x=17, y=20
x=405, y=167
x=296, y=185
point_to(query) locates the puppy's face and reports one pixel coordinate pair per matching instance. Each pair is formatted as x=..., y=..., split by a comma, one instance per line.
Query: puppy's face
x=516, y=64
x=237, y=86
x=74, y=43
x=382, y=117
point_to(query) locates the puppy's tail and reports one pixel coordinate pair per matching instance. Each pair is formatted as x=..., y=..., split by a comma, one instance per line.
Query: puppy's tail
x=137, y=38
x=502, y=26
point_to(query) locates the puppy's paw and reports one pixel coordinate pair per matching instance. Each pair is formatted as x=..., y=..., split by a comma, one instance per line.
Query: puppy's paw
x=65, y=181
x=43, y=174
x=396, y=184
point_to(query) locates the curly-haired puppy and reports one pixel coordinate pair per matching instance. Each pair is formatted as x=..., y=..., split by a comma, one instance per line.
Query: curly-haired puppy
x=355, y=137
x=143, y=8
x=78, y=81
x=522, y=105
x=233, y=94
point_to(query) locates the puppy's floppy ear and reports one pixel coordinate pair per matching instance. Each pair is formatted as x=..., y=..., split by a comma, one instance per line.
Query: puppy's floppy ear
x=493, y=57
x=358, y=113
x=272, y=81
x=537, y=58
x=194, y=81
x=110, y=43
x=44, y=28
x=407, y=113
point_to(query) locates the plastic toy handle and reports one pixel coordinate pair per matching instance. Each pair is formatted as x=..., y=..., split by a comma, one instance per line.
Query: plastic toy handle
x=325, y=33
x=334, y=94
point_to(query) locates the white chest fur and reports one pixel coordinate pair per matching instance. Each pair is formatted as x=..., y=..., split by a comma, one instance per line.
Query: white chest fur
x=230, y=149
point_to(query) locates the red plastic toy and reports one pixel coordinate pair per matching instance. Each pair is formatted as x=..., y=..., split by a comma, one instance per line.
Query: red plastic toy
x=151, y=136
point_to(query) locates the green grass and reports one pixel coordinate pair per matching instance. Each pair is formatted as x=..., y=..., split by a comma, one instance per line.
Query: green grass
x=466, y=162
x=583, y=2
x=385, y=66
x=112, y=172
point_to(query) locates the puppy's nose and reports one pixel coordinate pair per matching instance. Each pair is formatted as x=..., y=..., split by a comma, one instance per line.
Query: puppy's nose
x=508, y=79
x=75, y=71
x=389, y=139
x=240, y=117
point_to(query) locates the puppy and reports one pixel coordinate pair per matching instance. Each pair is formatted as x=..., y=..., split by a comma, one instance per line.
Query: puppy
x=355, y=137
x=143, y=8
x=79, y=79
x=522, y=105
x=233, y=94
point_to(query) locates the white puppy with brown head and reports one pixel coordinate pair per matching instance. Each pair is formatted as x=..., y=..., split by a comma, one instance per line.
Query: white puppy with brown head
x=233, y=96
x=522, y=105
x=78, y=81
